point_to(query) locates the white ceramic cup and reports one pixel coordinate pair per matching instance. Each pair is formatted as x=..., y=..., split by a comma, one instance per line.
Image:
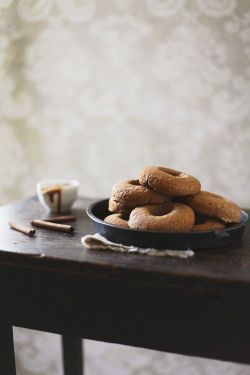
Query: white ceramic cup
x=57, y=195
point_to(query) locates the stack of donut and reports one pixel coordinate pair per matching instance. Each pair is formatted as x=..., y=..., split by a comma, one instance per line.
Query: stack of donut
x=164, y=199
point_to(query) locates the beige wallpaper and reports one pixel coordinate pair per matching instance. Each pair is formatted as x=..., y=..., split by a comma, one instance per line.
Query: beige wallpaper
x=97, y=89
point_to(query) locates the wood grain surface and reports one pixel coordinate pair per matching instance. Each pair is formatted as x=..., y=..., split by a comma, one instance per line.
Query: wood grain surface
x=65, y=252
x=198, y=306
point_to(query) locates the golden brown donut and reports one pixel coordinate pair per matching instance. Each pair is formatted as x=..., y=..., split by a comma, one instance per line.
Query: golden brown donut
x=117, y=219
x=214, y=205
x=131, y=193
x=118, y=207
x=209, y=224
x=176, y=217
x=169, y=181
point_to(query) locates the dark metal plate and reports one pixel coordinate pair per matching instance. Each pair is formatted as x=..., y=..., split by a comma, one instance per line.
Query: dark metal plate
x=163, y=240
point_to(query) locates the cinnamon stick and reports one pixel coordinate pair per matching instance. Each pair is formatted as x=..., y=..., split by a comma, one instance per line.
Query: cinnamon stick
x=23, y=229
x=60, y=219
x=52, y=226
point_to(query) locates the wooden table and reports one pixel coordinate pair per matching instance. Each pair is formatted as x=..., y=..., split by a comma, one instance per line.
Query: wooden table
x=198, y=306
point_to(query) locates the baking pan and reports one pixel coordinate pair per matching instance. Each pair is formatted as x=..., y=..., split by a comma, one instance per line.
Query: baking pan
x=164, y=240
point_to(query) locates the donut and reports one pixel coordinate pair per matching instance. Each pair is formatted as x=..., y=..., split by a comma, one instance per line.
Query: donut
x=169, y=181
x=208, y=224
x=118, y=207
x=215, y=206
x=176, y=217
x=117, y=219
x=132, y=194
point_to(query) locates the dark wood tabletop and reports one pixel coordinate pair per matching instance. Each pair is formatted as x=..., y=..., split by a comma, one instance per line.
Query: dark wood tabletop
x=196, y=306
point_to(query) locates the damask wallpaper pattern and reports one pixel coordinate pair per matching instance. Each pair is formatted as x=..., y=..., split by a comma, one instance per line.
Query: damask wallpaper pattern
x=96, y=89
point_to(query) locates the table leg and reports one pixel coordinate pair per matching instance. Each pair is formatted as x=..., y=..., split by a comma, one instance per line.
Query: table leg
x=7, y=355
x=72, y=355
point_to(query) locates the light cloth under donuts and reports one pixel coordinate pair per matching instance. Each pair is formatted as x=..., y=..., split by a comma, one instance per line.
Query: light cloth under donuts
x=98, y=242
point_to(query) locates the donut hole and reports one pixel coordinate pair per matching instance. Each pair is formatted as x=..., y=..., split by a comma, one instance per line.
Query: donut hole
x=124, y=216
x=161, y=210
x=158, y=214
x=200, y=218
x=134, y=182
x=172, y=172
x=203, y=219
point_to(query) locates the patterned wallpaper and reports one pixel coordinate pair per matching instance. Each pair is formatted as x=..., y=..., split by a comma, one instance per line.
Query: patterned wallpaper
x=97, y=89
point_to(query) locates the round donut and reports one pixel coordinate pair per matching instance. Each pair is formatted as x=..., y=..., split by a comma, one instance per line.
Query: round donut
x=169, y=181
x=214, y=205
x=176, y=217
x=118, y=207
x=132, y=194
x=117, y=219
x=208, y=224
